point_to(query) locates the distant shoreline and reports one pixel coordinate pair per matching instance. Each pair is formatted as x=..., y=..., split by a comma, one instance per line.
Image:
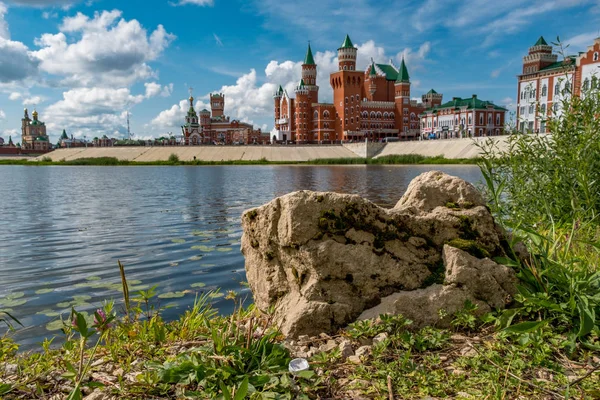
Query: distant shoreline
x=409, y=159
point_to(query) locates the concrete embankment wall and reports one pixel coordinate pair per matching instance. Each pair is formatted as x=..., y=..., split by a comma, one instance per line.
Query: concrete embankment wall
x=449, y=148
x=205, y=153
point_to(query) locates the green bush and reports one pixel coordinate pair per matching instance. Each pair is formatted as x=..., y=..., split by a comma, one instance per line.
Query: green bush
x=173, y=158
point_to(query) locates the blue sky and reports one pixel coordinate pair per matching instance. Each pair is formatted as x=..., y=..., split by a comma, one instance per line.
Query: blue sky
x=84, y=64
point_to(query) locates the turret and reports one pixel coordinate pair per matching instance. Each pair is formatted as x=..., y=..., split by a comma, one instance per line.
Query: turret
x=372, y=77
x=347, y=55
x=540, y=56
x=277, y=103
x=309, y=76
x=303, y=114
x=432, y=99
x=402, y=84
x=217, y=104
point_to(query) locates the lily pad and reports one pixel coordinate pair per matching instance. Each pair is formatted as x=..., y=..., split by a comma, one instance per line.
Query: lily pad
x=64, y=304
x=44, y=291
x=208, y=265
x=93, y=278
x=203, y=248
x=12, y=302
x=202, y=233
x=81, y=297
x=178, y=240
x=54, y=325
x=133, y=282
x=174, y=264
x=48, y=313
x=198, y=284
x=15, y=295
x=171, y=295
x=216, y=295
x=195, y=258
x=138, y=288
x=85, y=285
x=224, y=249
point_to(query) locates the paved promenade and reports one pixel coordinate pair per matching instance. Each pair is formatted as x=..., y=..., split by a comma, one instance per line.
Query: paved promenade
x=450, y=148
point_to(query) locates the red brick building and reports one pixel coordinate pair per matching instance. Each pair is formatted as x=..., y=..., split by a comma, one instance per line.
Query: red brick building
x=373, y=104
x=214, y=127
x=546, y=82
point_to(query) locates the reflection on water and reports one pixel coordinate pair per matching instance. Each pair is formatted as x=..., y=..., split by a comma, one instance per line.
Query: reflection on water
x=64, y=228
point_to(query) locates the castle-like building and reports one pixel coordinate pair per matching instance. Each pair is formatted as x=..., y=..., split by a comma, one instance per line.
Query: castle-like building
x=374, y=103
x=214, y=127
x=546, y=81
x=33, y=134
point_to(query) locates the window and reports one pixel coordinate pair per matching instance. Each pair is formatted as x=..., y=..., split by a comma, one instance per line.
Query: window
x=543, y=109
x=555, y=107
x=434, y=123
x=405, y=111
x=531, y=108
x=351, y=120
x=316, y=115
x=470, y=120
x=556, y=89
x=489, y=119
x=346, y=100
x=544, y=90
x=325, y=114
x=497, y=119
x=480, y=119
x=522, y=111
x=586, y=84
x=373, y=114
x=596, y=56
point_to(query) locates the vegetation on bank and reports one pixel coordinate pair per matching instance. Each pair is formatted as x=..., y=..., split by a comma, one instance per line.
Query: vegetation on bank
x=173, y=159
x=546, y=346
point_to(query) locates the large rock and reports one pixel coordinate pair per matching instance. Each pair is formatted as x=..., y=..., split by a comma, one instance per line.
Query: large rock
x=321, y=259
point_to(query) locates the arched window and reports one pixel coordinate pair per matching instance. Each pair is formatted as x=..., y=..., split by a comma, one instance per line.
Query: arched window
x=556, y=89
x=544, y=90
x=346, y=121
x=345, y=68
x=392, y=115
x=373, y=114
x=316, y=115
x=351, y=120
x=351, y=110
x=365, y=114
x=326, y=114
x=346, y=100
x=385, y=115
x=379, y=114
x=480, y=119
x=489, y=119
x=596, y=56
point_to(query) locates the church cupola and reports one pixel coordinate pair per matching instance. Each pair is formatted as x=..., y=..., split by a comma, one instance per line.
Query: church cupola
x=347, y=55
x=403, y=83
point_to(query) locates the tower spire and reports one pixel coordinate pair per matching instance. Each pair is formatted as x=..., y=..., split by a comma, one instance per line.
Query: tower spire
x=309, y=60
x=403, y=73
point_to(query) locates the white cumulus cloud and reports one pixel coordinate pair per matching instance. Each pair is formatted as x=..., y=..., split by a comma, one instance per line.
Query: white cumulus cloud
x=2, y=114
x=34, y=100
x=110, y=51
x=15, y=96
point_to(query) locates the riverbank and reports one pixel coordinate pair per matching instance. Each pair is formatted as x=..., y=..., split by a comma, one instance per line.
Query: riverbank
x=409, y=159
x=449, y=149
x=203, y=355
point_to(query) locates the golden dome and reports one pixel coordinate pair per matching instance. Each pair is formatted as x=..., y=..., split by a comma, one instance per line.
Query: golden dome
x=35, y=113
x=192, y=99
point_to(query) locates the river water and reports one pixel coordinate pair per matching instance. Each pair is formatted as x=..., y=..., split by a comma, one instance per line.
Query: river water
x=64, y=228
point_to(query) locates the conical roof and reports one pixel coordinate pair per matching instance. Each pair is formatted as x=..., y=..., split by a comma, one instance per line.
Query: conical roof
x=309, y=60
x=403, y=73
x=541, y=42
x=372, y=71
x=347, y=43
x=64, y=135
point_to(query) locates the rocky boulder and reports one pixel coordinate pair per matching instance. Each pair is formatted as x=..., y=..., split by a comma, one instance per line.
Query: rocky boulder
x=321, y=260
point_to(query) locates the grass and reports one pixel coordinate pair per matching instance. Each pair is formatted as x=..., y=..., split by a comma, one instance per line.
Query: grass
x=409, y=159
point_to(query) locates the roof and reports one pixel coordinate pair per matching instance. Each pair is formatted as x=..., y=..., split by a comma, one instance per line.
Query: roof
x=41, y=139
x=472, y=103
x=541, y=42
x=64, y=135
x=560, y=64
x=309, y=60
x=372, y=71
x=403, y=73
x=432, y=92
x=347, y=43
x=390, y=72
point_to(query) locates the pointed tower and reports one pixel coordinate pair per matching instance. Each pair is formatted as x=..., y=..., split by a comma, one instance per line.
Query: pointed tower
x=309, y=75
x=372, y=80
x=347, y=55
x=303, y=113
x=431, y=99
x=402, y=84
x=277, y=105
x=10, y=142
x=540, y=56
